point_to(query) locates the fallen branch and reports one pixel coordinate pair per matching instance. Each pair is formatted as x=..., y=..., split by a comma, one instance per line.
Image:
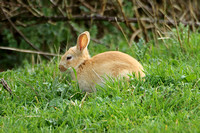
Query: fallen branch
x=5, y=86
x=28, y=51
x=99, y=18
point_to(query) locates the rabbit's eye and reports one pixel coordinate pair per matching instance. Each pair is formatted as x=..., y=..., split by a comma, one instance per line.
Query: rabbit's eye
x=69, y=57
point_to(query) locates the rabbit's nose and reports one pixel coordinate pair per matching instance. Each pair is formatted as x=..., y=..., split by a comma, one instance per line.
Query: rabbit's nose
x=62, y=68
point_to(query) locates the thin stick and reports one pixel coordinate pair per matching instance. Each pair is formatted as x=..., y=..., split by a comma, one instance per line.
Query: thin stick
x=87, y=6
x=123, y=32
x=43, y=19
x=82, y=101
x=124, y=16
x=141, y=23
x=28, y=51
x=5, y=86
x=29, y=86
x=177, y=30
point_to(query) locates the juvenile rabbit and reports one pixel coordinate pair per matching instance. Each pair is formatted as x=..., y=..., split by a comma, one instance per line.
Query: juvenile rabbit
x=90, y=71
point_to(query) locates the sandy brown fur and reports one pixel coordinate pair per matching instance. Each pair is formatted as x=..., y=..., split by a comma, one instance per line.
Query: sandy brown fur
x=91, y=71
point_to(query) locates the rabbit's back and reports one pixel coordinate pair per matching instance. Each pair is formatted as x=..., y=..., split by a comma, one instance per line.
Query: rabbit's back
x=116, y=61
x=112, y=63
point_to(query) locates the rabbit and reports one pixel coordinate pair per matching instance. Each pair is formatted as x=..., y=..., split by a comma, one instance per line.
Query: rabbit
x=92, y=70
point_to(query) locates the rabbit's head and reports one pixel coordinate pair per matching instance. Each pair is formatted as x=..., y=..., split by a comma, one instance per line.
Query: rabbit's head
x=76, y=55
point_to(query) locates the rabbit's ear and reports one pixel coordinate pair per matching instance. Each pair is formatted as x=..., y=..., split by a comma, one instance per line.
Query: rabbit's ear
x=83, y=40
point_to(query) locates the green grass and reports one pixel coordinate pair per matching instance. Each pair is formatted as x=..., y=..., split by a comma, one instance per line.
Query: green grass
x=167, y=101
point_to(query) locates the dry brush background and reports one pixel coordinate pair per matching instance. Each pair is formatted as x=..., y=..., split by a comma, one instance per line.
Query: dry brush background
x=135, y=19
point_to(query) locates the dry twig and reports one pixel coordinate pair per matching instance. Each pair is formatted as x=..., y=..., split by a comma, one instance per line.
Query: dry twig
x=29, y=86
x=5, y=86
x=28, y=51
x=82, y=101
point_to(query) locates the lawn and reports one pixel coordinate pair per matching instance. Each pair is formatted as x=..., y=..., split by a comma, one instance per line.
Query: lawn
x=45, y=100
